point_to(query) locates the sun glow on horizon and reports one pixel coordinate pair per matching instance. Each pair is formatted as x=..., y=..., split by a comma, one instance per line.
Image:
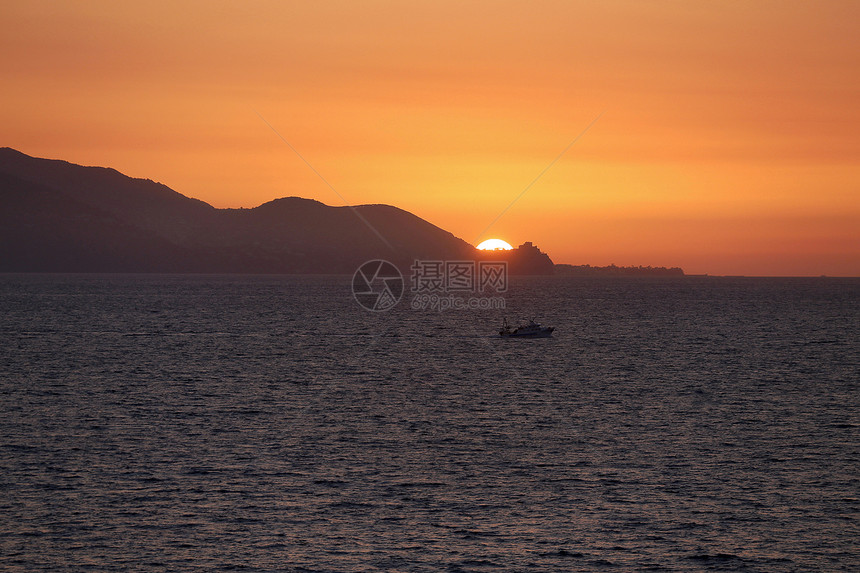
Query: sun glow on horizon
x=495, y=245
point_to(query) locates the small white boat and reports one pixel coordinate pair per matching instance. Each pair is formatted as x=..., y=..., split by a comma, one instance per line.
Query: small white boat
x=530, y=330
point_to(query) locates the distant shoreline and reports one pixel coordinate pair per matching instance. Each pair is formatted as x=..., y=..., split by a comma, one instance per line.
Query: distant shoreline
x=562, y=269
x=350, y=275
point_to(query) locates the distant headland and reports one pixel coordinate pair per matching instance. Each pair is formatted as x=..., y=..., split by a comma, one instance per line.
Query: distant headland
x=526, y=259
x=56, y=216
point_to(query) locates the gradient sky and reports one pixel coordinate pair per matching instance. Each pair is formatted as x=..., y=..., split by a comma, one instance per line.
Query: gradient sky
x=729, y=140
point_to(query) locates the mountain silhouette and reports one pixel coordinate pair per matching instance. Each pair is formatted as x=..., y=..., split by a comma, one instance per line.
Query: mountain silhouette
x=56, y=216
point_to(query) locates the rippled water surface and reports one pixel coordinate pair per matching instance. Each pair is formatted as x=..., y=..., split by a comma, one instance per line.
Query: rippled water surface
x=270, y=424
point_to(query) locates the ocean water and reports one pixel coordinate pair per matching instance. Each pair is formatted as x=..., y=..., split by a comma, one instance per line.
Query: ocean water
x=268, y=423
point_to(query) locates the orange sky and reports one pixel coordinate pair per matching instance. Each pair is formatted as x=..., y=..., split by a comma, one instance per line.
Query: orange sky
x=729, y=140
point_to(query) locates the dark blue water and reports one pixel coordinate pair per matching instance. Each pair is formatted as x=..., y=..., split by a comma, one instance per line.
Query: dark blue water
x=270, y=424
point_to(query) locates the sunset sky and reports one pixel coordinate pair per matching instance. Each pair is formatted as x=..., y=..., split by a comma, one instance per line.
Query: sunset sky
x=726, y=140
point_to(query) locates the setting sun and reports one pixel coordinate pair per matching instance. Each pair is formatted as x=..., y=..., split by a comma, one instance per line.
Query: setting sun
x=495, y=245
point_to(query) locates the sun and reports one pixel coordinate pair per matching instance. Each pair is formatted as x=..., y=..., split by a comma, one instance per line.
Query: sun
x=494, y=245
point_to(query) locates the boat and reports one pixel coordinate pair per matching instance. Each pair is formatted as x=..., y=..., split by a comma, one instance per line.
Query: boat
x=530, y=330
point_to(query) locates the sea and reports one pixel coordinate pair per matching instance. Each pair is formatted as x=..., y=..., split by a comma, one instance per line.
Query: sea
x=271, y=423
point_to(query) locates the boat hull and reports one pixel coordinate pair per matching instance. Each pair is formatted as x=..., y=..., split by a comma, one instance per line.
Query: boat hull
x=543, y=333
